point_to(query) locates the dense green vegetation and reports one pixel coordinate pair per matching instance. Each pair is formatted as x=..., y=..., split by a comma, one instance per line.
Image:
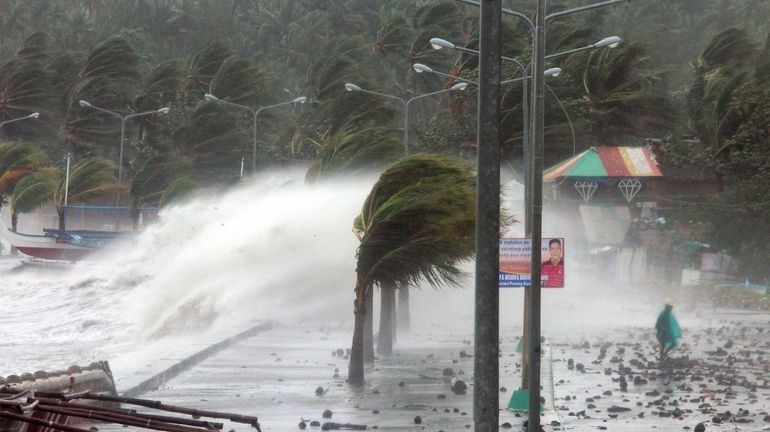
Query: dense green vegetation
x=686, y=69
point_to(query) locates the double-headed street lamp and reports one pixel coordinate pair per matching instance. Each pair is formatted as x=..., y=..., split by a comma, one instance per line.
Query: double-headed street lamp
x=34, y=115
x=406, y=102
x=552, y=72
x=421, y=68
x=607, y=42
x=123, y=119
x=255, y=113
x=610, y=41
x=487, y=324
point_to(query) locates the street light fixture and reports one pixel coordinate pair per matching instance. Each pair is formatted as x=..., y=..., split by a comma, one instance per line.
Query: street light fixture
x=610, y=42
x=255, y=114
x=406, y=102
x=123, y=119
x=352, y=87
x=34, y=115
x=421, y=68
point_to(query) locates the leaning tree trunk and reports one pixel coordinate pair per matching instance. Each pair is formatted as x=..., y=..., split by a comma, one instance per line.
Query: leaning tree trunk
x=369, y=327
x=403, y=309
x=136, y=213
x=356, y=367
x=387, y=300
x=14, y=221
x=394, y=319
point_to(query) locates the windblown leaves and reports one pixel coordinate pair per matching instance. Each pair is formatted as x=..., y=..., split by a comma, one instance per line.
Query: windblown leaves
x=355, y=150
x=622, y=98
x=212, y=139
x=34, y=190
x=418, y=222
x=89, y=178
x=106, y=80
x=723, y=66
x=156, y=175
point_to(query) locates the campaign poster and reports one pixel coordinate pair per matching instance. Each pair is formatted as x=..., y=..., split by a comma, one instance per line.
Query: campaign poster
x=515, y=258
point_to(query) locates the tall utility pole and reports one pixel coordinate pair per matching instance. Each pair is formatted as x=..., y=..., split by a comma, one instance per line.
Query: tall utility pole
x=536, y=212
x=486, y=395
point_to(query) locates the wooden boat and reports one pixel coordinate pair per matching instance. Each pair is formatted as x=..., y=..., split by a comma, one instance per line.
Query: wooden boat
x=53, y=245
x=72, y=400
x=95, y=226
x=21, y=410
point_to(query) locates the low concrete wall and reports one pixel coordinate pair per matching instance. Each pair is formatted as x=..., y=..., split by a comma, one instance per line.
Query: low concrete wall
x=159, y=379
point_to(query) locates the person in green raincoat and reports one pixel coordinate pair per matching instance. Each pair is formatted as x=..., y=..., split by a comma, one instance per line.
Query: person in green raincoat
x=667, y=330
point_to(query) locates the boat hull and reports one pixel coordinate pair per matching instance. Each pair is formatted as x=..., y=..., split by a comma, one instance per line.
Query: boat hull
x=54, y=253
x=45, y=247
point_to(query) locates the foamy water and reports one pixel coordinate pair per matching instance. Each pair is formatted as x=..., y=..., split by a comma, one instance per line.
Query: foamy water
x=271, y=248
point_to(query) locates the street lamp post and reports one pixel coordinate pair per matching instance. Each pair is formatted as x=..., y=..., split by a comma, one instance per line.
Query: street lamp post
x=536, y=211
x=406, y=102
x=535, y=200
x=255, y=113
x=534, y=178
x=611, y=42
x=123, y=119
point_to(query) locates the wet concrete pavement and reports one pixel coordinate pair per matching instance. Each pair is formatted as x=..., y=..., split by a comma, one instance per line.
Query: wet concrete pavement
x=719, y=377
x=293, y=373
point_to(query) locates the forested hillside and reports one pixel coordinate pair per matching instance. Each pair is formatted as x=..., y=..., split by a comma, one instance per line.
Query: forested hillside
x=692, y=69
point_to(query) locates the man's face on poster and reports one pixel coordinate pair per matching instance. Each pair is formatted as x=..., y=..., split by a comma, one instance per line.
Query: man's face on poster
x=554, y=249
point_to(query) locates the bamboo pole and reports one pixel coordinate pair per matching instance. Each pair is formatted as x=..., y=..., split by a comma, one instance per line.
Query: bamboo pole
x=238, y=418
x=117, y=418
x=167, y=419
x=40, y=422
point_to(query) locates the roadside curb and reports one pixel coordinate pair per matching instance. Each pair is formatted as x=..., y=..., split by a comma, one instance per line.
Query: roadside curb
x=162, y=377
x=549, y=416
x=550, y=413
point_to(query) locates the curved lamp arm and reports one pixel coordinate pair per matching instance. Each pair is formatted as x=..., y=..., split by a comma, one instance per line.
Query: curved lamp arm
x=356, y=89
